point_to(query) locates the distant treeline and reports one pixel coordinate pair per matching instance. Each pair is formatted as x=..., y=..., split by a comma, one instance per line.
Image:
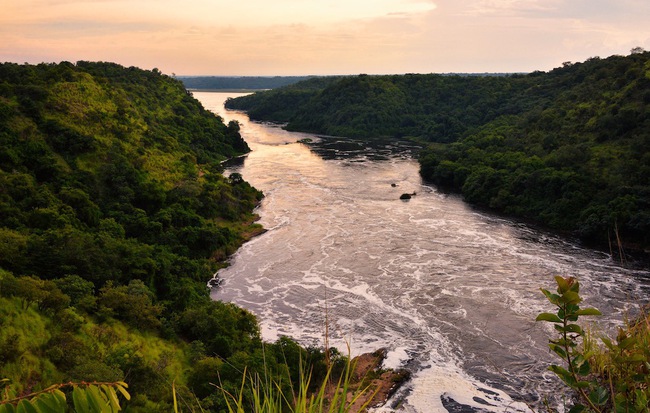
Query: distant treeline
x=568, y=148
x=244, y=82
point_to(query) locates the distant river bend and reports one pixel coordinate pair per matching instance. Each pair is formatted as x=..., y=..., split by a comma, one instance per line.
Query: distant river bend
x=452, y=293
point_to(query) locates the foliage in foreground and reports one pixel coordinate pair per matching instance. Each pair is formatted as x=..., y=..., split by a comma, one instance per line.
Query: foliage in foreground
x=333, y=395
x=615, y=378
x=44, y=340
x=258, y=393
x=86, y=398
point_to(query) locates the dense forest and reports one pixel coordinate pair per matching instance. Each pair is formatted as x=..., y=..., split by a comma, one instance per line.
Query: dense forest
x=568, y=149
x=114, y=213
x=238, y=82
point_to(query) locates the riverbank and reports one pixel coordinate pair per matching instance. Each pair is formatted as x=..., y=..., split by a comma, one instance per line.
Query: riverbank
x=370, y=385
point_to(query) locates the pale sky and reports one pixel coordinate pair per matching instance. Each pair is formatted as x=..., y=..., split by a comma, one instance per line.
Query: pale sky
x=302, y=37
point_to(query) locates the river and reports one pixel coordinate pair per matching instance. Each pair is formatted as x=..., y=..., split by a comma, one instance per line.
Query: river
x=451, y=292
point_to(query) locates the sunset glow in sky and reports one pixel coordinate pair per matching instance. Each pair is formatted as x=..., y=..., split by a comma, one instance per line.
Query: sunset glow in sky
x=299, y=37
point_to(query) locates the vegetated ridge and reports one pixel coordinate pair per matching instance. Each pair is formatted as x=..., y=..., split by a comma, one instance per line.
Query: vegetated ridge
x=238, y=82
x=568, y=149
x=114, y=213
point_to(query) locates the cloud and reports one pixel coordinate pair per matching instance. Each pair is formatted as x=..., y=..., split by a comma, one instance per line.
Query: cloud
x=82, y=28
x=322, y=36
x=590, y=10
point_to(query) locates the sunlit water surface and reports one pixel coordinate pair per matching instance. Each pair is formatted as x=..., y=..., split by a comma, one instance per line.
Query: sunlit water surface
x=451, y=292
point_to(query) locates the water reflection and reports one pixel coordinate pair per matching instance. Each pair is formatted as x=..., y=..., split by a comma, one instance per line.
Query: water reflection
x=376, y=149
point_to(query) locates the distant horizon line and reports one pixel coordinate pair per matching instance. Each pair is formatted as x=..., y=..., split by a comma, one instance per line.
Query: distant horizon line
x=352, y=74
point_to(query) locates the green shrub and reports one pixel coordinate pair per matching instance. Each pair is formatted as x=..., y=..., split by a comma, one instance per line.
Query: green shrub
x=614, y=378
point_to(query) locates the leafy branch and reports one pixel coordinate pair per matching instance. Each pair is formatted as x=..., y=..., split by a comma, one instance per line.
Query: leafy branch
x=87, y=397
x=621, y=381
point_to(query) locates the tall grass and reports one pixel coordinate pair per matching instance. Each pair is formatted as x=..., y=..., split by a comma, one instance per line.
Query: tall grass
x=258, y=394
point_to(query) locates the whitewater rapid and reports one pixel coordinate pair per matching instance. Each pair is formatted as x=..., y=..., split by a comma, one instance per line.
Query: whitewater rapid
x=450, y=291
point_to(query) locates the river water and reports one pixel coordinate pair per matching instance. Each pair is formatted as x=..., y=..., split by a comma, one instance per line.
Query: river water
x=451, y=292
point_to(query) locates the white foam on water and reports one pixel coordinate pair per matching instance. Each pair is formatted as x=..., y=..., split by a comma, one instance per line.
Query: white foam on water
x=396, y=358
x=430, y=385
x=270, y=331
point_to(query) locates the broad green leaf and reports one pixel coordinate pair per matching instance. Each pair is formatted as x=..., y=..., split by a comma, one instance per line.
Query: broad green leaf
x=120, y=386
x=574, y=328
x=562, y=342
x=599, y=396
x=559, y=350
x=96, y=400
x=581, y=365
x=7, y=408
x=572, y=308
x=26, y=406
x=80, y=401
x=50, y=403
x=563, y=374
x=44, y=408
x=60, y=397
x=553, y=298
x=570, y=297
x=577, y=408
x=548, y=317
x=588, y=311
x=112, y=398
x=562, y=284
x=570, y=328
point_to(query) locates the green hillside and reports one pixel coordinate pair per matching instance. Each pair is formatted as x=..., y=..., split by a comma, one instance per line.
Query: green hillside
x=113, y=215
x=238, y=82
x=568, y=149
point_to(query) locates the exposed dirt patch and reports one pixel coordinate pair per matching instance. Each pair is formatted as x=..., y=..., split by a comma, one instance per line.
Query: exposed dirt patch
x=370, y=384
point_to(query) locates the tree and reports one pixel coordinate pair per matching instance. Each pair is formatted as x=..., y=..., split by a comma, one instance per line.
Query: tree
x=76, y=288
x=30, y=290
x=132, y=303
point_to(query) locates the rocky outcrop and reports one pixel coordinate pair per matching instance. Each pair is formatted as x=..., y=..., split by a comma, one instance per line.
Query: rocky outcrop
x=370, y=383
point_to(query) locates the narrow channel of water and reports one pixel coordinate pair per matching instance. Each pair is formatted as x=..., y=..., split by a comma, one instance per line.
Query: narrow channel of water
x=452, y=293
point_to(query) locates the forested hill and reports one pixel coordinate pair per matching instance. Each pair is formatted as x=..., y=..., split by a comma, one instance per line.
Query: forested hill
x=238, y=82
x=97, y=148
x=114, y=214
x=567, y=148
